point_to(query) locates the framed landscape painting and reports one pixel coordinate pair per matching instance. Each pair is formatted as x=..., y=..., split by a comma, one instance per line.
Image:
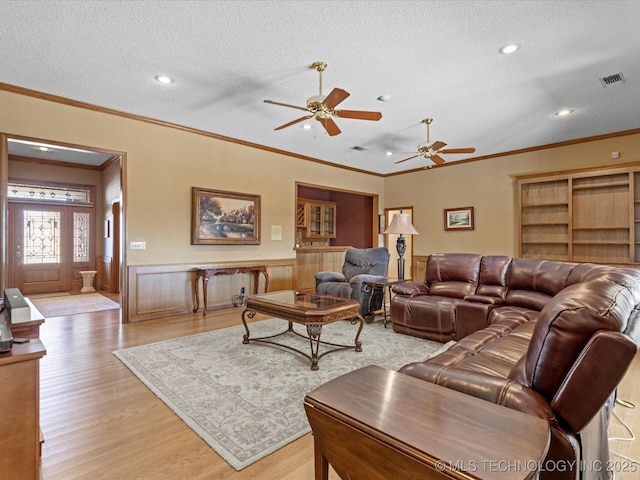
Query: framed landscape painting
x=458, y=218
x=224, y=218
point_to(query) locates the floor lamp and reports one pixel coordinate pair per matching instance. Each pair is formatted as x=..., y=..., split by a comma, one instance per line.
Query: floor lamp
x=401, y=225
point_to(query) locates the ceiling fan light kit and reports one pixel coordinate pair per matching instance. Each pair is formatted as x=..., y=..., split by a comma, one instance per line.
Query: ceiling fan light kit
x=433, y=150
x=322, y=107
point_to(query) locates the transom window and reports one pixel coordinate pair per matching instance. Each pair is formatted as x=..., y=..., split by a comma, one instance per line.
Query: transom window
x=49, y=193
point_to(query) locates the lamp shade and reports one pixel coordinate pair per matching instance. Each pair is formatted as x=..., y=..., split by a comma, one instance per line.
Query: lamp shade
x=401, y=224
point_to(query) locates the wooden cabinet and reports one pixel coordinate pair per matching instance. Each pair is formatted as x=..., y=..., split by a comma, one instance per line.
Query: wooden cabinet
x=582, y=216
x=316, y=219
x=20, y=437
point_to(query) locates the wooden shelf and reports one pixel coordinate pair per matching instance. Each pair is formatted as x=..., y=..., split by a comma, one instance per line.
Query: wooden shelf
x=624, y=227
x=604, y=185
x=544, y=243
x=599, y=242
x=537, y=205
x=581, y=215
x=540, y=224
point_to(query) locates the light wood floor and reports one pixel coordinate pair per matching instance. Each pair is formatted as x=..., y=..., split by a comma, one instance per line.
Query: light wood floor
x=100, y=422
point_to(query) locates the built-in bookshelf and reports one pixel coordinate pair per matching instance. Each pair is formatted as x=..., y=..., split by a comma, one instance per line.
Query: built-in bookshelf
x=582, y=216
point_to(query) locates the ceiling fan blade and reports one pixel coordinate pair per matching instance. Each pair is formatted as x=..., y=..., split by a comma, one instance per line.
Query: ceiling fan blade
x=400, y=161
x=285, y=105
x=330, y=126
x=438, y=145
x=458, y=150
x=436, y=159
x=336, y=96
x=359, y=114
x=298, y=120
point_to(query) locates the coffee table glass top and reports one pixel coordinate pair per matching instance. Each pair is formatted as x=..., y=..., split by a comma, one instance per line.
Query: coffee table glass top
x=307, y=301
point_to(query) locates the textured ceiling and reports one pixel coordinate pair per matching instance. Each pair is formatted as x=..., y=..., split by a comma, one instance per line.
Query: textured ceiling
x=433, y=59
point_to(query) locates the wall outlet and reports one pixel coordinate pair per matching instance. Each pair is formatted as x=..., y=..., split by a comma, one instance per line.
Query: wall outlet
x=138, y=245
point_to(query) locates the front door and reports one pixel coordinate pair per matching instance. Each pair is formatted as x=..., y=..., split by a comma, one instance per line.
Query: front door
x=48, y=246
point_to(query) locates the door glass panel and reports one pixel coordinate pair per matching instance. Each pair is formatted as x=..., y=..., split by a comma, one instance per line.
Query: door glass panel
x=41, y=237
x=81, y=224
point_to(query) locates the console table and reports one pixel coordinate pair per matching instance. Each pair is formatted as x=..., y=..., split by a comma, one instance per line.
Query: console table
x=207, y=273
x=377, y=424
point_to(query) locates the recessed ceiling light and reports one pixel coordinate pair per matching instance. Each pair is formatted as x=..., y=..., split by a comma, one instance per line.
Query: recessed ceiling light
x=306, y=126
x=508, y=49
x=43, y=149
x=388, y=154
x=164, y=79
x=564, y=112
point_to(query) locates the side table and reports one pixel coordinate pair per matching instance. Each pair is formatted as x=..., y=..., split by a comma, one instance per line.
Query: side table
x=380, y=287
x=206, y=273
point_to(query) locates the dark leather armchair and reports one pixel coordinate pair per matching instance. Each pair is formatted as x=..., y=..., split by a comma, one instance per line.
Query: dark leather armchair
x=360, y=265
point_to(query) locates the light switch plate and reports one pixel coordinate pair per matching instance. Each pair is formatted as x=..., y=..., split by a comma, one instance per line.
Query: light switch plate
x=138, y=245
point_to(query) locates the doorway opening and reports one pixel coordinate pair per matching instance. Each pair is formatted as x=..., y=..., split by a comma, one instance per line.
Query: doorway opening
x=51, y=233
x=356, y=216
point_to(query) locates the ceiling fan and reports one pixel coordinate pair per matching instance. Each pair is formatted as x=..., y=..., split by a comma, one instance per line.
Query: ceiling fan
x=433, y=151
x=322, y=108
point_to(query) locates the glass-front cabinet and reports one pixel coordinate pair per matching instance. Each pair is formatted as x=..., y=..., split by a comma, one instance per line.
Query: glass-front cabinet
x=316, y=219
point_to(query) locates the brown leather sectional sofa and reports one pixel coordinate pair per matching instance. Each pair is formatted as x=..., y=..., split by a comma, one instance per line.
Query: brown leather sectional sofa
x=551, y=339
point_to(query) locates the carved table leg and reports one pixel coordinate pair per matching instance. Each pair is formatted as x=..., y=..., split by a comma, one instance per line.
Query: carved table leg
x=195, y=292
x=250, y=314
x=314, y=332
x=205, y=281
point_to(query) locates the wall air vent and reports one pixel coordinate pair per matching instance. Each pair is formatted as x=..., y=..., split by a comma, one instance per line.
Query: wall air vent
x=360, y=149
x=612, y=80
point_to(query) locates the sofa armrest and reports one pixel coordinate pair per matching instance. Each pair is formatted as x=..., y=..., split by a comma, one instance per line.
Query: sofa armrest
x=593, y=378
x=410, y=289
x=487, y=299
x=501, y=391
x=365, y=277
x=328, y=277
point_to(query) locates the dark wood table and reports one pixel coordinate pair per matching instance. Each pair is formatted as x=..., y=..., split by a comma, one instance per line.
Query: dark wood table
x=309, y=309
x=207, y=273
x=378, y=424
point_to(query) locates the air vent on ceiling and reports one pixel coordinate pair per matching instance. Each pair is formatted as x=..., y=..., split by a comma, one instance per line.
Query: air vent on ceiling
x=612, y=80
x=360, y=149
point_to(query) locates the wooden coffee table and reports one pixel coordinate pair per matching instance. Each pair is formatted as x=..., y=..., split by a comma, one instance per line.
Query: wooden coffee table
x=309, y=309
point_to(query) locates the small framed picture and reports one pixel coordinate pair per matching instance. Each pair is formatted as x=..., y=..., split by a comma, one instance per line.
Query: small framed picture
x=458, y=218
x=382, y=223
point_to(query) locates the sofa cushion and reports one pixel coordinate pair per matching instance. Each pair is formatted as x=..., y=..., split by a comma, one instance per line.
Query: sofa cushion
x=532, y=283
x=373, y=261
x=494, y=276
x=453, y=274
x=511, y=313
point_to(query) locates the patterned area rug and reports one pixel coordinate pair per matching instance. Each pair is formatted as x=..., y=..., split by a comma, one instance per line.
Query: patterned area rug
x=246, y=401
x=72, y=304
